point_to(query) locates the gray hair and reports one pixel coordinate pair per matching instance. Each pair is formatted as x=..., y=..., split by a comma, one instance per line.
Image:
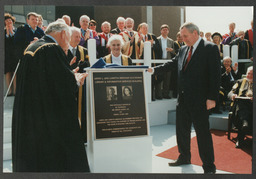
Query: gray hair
x=128, y=18
x=74, y=29
x=191, y=27
x=84, y=17
x=105, y=22
x=57, y=26
x=115, y=37
x=120, y=19
x=249, y=69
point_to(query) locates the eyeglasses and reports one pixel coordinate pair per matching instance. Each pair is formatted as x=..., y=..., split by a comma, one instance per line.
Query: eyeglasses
x=92, y=25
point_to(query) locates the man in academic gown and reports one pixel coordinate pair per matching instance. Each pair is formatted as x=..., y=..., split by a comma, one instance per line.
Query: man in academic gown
x=78, y=57
x=45, y=129
x=120, y=22
x=102, y=49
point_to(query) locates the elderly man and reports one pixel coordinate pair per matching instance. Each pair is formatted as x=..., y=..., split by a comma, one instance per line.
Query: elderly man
x=102, y=48
x=227, y=38
x=242, y=92
x=67, y=19
x=198, y=67
x=86, y=33
x=133, y=44
x=45, y=132
x=120, y=22
x=27, y=33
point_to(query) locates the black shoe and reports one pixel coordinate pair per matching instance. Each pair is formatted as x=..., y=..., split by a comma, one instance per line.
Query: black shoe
x=167, y=97
x=209, y=172
x=179, y=162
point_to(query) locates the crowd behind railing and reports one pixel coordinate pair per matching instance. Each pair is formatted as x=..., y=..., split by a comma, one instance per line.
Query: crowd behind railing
x=129, y=44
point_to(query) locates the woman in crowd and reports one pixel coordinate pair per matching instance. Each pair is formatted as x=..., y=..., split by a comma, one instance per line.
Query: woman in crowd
x=10, y=61
x=217, y=39
x=115, y=44
x=93, y=25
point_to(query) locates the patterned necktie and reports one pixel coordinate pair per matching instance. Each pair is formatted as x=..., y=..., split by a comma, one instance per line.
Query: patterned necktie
x=74, y=51
x=189, y=57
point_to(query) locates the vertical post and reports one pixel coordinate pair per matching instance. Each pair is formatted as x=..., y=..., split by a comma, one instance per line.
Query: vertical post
x=92, y=51
x=147, y=62
x=226, y=51
x=234, y=54
x=149, y=19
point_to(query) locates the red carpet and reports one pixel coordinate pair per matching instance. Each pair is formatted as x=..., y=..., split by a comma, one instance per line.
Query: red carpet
x=227, y=157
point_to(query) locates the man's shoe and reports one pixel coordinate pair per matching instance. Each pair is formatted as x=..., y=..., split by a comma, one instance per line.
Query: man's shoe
x=209, y=172
x=167, y=97
x=179, y=162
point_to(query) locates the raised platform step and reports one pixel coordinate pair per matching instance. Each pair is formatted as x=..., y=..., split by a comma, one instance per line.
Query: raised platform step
x=7, y=151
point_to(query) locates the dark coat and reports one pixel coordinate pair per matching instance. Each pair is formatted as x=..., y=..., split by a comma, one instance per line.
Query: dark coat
x=10, y=60
x=45, y=130
x=24, y=36
x=79, y=63
x=201, y=79
x=226, y=81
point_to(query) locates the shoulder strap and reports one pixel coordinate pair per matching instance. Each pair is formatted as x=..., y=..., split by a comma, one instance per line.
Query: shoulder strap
x=81, y=51
x=242, y=87
x=108, y=59
x=125, y=60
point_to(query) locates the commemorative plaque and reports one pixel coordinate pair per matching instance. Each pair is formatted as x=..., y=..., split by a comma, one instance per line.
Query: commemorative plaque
x=119, y=104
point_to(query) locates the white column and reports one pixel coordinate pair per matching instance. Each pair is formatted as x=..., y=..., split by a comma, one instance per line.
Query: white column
x=92, y=51
x=150, y=19
x=226, y=51
x=147, y=62
x=234, y=54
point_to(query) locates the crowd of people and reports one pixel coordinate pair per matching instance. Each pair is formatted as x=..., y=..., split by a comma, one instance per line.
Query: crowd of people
x=36, y=45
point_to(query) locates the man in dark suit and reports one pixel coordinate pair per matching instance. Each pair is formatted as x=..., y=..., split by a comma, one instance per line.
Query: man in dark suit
x=198, y=86
x=45, y=128
x=27, y=33
x=120, y=22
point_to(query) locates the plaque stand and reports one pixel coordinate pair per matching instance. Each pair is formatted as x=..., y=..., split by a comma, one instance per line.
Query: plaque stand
x=132, y=154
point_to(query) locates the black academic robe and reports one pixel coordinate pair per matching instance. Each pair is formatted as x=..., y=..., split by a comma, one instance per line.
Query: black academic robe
x=45, y=128
x=226, y=80
x=102, y=50
x=115, y=31
x=78, y=63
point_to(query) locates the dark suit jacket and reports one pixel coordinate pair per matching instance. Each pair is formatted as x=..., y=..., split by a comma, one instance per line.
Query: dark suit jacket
x=226, y=82
x=81, y=65
x=115, y=31
x=201, y=79
x=24, y=36
x=156, y=50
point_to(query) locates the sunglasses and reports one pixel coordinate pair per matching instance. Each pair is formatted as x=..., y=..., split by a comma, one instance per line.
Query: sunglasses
x=92, y=25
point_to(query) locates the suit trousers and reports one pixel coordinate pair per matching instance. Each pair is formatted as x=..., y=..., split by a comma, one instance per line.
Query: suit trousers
x=185, y=116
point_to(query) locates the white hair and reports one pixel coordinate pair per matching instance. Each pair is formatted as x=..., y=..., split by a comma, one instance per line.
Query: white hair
x=128, y=18
x=249, y=69
x=57, y=26
x=105, y=22
x=227, y=57
x=115, y=37
x=84, y=17
x=74, y=29
x=120, y=19
x=66, y=16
